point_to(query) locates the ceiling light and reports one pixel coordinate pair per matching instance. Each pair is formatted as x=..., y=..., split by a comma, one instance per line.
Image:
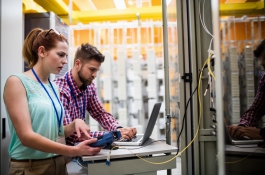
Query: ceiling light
x=130, y=2
x=120, y=4
x=139, y=3
x=244, y=17
x=168, y=2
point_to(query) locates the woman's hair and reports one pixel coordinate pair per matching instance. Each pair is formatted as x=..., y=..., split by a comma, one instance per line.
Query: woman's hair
x=260, y=49
x=88, y=52
x=39, y=37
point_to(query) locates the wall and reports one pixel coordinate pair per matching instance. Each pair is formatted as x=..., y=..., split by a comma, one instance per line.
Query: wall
x=11, y=34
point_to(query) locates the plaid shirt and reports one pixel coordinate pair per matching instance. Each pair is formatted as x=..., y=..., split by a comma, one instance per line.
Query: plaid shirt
x=74, y=111
x=257, y=109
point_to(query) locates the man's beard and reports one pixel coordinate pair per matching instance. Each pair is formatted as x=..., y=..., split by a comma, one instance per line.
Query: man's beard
x=83, y=80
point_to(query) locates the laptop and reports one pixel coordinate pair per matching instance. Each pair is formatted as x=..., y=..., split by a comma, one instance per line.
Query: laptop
x=234, y=141
x=140, y=139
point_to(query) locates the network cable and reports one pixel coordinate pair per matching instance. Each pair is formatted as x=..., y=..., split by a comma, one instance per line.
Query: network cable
x=184, y=118
x=209, y=68
x=240, y=160
x=202, y=18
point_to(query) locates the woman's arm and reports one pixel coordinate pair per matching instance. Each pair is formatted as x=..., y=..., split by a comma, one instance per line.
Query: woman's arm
x=17, y=107
x=78, y=126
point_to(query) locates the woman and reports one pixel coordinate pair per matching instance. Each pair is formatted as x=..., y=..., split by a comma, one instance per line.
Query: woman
x=35, y=111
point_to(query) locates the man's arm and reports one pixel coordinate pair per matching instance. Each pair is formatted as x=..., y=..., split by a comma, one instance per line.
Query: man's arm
x=106, y=120
x=257, y=110
x=96, y=110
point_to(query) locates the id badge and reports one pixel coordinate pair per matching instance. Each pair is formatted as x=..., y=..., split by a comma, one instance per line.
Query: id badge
x=60, y=139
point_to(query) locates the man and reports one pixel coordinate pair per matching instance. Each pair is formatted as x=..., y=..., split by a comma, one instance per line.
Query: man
x=250, y=118
x=78, y=94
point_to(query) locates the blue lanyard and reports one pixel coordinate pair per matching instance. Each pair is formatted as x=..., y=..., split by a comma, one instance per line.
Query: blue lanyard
x=73, y=95
x=58, y=119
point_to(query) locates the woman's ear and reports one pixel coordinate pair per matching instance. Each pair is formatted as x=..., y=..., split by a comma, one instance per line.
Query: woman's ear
x=41, y=51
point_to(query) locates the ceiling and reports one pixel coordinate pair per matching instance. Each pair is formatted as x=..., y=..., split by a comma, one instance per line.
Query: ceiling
x=87, y=11
x=241, y=7
x=238, y=1
x=86, y=5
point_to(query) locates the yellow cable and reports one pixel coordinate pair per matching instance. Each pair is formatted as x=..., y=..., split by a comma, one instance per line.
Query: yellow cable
x=197, y=131
x=244, y=157
x=209, y=67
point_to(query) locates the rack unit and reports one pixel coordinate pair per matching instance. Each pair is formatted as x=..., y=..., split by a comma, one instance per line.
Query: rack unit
x=234, y=85
x=250, y=85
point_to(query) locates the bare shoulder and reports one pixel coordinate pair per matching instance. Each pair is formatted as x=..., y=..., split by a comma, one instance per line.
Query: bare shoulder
x=13, y=87
x=12, y=80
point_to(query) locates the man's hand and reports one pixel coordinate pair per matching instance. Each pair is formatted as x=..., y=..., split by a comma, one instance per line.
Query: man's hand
x=251, y=132
x=233, y=130
x=83, y=148
x=127, y=133
x=81, y=126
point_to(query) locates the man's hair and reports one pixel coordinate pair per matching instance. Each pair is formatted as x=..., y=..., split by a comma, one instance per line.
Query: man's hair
x=87, y=52
x=260, y=49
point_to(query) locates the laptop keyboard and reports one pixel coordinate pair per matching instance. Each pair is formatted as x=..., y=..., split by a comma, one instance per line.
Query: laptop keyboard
x=135, y=139
x=244, y=138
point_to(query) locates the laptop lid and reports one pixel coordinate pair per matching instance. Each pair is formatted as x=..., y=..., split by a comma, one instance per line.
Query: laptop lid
x=149, y=129
x=228, y=138
x=151, y=122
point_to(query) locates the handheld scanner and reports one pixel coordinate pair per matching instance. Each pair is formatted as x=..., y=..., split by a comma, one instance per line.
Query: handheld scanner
x=107, y=138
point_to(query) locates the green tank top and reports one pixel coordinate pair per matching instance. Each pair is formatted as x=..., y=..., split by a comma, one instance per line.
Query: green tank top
x=43, y=119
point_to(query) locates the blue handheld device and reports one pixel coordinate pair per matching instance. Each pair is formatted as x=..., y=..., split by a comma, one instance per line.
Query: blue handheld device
x=106, y=139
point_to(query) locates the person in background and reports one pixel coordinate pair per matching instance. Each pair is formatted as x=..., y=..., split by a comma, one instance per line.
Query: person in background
x=35, y=113
x=78, y=94
x=250, y=118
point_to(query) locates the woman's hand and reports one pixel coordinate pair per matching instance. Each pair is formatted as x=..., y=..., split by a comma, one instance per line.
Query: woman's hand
x=83, y=148
x=81, y=127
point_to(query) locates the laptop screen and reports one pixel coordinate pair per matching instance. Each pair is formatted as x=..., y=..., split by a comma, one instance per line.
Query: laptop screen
x=151, y=122
x=228, y=138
